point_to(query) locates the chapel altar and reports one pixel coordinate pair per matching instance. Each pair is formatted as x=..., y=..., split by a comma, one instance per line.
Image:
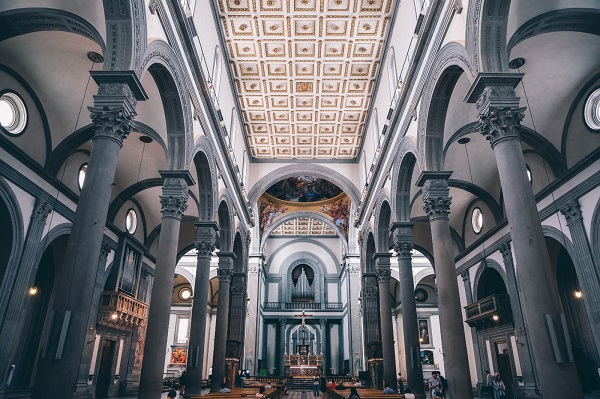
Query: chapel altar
x=303, y=365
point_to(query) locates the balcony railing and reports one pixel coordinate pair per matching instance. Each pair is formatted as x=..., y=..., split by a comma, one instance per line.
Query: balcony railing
x=494, y=308
x=303, y=305
x=121, y=311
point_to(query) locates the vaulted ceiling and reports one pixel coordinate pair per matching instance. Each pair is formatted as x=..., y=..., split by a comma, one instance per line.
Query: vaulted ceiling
x=305, y=72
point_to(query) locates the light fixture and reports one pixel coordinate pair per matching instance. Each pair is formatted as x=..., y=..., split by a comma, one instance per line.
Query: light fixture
x=114, y=316
x=33, y=290
x=578, y=294
x=495, y=317
x=420, y=340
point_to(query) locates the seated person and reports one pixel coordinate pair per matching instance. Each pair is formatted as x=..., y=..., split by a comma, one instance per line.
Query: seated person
x=172, y=393
x=353, y=394
x=387, y=389
x=331, y=385
x=268, y=386
x=224, y=388
x=340, y=387
x=260, y=393
x=358, y=384
x=408, y=394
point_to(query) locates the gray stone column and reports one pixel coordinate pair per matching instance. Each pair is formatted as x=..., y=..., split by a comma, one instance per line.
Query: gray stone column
x=527, y=366
x=173, y=203
x=403, y=242
x=19, y=302
x=500, y=122
x=437, y=207
x=206, y=235
x=282, y=348
x=112, y=115
x=225, y=272
x=251, y=336
x=382, y=261
x=325, y=350
x=584, y=265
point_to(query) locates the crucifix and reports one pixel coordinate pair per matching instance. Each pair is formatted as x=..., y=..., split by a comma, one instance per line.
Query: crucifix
x=303, y=316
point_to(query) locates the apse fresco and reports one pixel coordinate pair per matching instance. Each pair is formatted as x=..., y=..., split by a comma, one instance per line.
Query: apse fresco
x=336, y=209
x=303, y=189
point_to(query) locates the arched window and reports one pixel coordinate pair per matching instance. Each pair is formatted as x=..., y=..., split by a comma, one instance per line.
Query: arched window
x=392, y=74
x=375, y=119
x=216, y=71
x=232, y=128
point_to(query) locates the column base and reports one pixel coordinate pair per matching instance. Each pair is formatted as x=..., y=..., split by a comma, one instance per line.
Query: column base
x=15, y=393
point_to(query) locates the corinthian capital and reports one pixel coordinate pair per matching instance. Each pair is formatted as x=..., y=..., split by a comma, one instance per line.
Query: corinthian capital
x=175, y=192
x=501, y=123
x=506, y=251
x=384, y=275
x=572, y=211
x=436, y=197
x=224, y=274
x=403, y=238
x=111, y=123
x=206, y=237
x=41, y=209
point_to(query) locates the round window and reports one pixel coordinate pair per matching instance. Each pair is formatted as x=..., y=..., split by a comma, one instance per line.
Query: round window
x=13, y=114
x=591, y=111
x=477, y=220
x=81, y=175
x=131, y=221
x=185, y=294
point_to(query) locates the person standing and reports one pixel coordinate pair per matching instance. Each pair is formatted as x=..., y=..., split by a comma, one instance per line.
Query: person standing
x=400, y=383
x=182, y=378
x=499, y=388
x=316, y=386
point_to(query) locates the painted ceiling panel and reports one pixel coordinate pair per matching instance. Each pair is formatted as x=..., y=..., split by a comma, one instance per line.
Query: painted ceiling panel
x=305, y=72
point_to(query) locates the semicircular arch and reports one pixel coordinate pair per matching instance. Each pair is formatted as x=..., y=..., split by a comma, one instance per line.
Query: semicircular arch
x=319, y=171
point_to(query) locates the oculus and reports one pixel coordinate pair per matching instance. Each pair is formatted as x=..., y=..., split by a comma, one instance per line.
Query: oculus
x=13, y=114
x=131, y=221
x=591, y=112
x=185, y=294
x=477, y=220
x=81, y=175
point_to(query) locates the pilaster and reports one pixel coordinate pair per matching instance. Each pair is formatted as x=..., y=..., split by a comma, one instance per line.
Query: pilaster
x=584, y=265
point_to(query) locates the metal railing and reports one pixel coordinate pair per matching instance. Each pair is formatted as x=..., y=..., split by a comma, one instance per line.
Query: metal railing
x=303, y=305
x=486, y=308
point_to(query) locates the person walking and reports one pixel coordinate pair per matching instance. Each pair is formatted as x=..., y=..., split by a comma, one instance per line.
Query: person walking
x=400, y=383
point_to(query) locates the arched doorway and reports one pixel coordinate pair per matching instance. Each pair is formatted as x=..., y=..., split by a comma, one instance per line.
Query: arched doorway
x=38, y=319
x=584, y=349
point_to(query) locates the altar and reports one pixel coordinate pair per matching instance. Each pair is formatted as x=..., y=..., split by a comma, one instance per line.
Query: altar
x=303, y=365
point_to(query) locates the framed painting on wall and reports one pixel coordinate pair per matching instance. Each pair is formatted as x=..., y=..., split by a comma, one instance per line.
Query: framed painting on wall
x=179, y=355
x=424, y=337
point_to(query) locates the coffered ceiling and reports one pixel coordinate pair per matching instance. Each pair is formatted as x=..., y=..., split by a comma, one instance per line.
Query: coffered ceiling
x=305, y=72
x=303, y=227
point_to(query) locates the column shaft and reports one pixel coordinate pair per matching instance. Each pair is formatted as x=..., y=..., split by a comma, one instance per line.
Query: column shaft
x=225, y=272
x=385, y=310
x=412, y=347
x=356, y=342
x=173, y=203
x=112, y=117
x=437, y=206
x=205, y=245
